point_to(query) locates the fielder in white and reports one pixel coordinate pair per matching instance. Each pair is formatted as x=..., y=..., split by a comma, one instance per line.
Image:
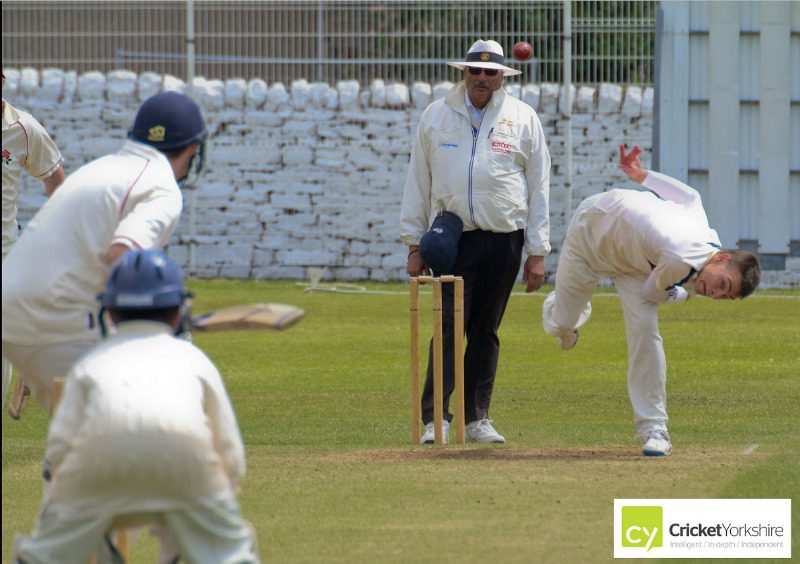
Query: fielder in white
x=145, y=431
x=657, y=247
x=127, y=200
x=26, y=146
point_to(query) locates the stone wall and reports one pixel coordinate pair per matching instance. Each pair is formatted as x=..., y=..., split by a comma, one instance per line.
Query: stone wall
x=312, y=174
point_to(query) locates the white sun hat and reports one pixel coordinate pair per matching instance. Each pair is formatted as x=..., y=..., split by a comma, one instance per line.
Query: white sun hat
x=485, y=55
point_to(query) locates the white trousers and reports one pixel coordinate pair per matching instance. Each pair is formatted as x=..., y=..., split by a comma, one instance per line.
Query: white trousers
x=210, y=531
x=569, y=307
x=38, y=365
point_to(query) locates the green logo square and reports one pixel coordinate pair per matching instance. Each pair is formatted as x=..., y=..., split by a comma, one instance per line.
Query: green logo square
x=642, y=526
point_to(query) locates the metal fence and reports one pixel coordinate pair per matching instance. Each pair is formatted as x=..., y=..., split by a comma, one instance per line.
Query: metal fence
x=281, y=40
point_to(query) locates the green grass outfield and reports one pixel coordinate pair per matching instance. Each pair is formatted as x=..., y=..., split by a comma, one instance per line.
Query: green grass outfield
x=332, y=476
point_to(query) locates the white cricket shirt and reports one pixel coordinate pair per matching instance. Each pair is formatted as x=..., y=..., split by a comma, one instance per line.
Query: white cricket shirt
x=54, y=272
x=663, y=233
x=145, y=424
x=26, y=146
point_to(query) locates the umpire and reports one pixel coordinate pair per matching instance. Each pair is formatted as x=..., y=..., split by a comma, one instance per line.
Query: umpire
x=479, y=154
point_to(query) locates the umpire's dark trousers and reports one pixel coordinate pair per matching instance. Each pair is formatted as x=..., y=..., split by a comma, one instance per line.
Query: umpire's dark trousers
x=489, y=263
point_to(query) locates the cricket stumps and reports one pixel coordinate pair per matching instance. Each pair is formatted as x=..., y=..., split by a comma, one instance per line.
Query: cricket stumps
x=438, y=356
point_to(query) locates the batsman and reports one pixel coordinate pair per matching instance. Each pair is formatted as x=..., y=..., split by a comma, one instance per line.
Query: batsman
x=127, y=200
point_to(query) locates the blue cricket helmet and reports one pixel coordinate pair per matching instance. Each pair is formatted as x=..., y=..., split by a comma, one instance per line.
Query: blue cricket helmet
x=169, y=120
x=143, y=280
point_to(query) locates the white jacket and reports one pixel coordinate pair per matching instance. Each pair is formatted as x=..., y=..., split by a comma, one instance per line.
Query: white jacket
x=145, y=424
x=54, y=272
x=497, y=180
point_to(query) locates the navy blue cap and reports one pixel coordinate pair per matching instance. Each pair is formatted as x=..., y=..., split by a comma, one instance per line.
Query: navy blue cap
x=439, y=246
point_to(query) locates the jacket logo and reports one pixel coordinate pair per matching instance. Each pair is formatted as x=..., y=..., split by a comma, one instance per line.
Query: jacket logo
x=502, y=148
x=6, y=157
x=156, y=133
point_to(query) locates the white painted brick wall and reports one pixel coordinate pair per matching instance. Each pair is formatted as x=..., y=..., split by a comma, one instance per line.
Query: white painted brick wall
x=312, y=174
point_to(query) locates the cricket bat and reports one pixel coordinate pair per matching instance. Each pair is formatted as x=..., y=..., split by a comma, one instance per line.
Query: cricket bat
x=258, y=316
x=19, y=399
x=249, y=316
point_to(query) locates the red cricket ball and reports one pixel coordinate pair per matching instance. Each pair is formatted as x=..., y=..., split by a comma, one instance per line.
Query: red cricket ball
x=522, y=51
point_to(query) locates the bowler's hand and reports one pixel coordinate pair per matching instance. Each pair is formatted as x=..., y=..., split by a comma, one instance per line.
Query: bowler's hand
x=631, y=165
x=415, y=266
x=533, y=274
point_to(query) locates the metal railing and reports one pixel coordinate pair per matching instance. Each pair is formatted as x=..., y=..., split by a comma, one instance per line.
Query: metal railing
x=285, y=40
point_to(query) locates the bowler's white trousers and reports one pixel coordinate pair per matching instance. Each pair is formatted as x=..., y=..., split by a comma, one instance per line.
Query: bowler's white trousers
x=569, y=307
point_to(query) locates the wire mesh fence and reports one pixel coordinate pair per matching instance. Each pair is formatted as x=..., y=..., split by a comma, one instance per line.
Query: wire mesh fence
x=285, y=40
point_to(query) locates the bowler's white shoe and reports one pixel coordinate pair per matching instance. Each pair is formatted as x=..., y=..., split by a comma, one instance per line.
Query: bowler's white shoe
x=657, y=443
x=481, y=431
x=569, y=341
x=428, y=438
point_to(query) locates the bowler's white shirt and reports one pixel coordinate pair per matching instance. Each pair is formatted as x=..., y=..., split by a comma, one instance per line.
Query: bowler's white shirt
x=26, y=146
x=53, y=274
x=663, y=233
x=145, y=424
